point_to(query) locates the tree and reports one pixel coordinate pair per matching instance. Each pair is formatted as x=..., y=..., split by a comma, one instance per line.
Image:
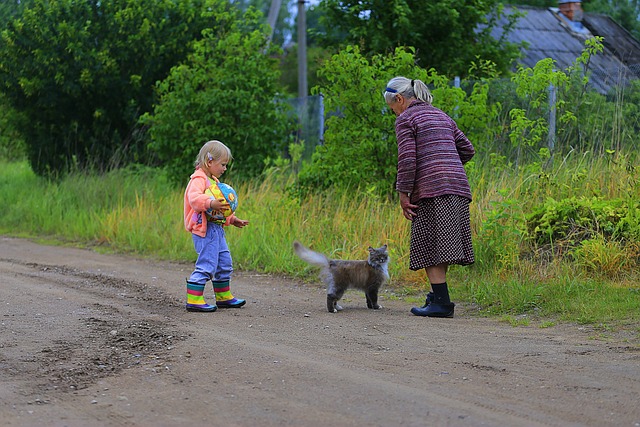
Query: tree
x=80, y=73
x=9, y=9
x=11, y=144
x=226, y=90
x=316, y=56
x=447, y=34
x=282, y=30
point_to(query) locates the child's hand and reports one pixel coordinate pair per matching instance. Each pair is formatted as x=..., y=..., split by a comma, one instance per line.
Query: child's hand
x=239, y=222
x=218, y=204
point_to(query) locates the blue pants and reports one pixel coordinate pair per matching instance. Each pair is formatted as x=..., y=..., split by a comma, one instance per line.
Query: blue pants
x=214, y=258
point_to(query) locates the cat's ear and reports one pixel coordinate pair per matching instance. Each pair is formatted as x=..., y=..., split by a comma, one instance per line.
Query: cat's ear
x=371, y=249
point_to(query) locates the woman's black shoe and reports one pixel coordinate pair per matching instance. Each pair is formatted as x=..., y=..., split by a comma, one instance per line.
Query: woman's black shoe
x=434, y=310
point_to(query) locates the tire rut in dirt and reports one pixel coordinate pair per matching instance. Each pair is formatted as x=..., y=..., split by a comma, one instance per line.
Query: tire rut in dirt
x=128, y=327
x=109, y=347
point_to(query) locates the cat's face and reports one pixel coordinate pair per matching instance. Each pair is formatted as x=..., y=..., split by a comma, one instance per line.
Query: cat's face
x=378, y=255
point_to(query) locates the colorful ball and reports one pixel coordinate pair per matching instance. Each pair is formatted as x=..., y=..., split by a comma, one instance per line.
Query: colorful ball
x=219, y=190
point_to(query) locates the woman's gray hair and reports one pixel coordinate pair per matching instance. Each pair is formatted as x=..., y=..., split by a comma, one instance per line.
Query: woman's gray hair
x=407, y=88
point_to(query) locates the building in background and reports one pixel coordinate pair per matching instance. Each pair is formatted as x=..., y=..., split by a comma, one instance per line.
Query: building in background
x=560, y=32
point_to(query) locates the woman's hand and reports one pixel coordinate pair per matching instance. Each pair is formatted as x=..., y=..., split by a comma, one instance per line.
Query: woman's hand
x=408, y=210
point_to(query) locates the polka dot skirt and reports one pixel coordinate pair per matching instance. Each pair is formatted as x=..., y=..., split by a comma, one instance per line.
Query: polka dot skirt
x=441, y=233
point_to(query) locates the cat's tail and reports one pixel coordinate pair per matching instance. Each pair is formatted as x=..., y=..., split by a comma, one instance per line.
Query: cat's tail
x=312, y=257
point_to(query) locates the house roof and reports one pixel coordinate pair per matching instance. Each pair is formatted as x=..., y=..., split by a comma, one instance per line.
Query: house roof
x=549, y=34
x=617, y=39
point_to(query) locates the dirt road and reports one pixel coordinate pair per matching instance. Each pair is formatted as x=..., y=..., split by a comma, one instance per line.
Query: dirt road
x=102, y=340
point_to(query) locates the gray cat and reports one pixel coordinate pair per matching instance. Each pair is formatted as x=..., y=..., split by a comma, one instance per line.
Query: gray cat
x=368, y=275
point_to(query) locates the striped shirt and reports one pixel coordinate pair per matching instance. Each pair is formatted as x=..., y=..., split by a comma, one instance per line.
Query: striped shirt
x=431, y=152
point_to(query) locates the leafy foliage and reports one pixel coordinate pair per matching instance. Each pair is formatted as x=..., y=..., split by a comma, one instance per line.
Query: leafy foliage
x=447, y=35
x=283, y=27
x=226, y=90
x=355, y=134
x=12, y=145
x=575, y=219
x=360, y=146
x=81, y=73
x=542, y=91
x=10, y=9
x=585, y=121
x=316, y=56
x=499, y=240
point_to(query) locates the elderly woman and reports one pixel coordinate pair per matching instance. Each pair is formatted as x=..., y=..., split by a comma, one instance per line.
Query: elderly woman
x=433, y=186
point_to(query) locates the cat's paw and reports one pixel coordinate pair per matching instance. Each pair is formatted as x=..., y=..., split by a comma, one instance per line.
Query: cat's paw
x=338, y=308
x=377, y=307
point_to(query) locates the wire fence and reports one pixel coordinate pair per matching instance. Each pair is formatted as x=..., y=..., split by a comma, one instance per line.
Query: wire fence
x=605, y=121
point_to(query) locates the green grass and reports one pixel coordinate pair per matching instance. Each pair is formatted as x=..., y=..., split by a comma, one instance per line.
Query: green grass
x=137, y=212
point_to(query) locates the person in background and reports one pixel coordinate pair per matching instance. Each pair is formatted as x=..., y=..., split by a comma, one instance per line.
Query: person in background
x=433, y=187
x=214, y=259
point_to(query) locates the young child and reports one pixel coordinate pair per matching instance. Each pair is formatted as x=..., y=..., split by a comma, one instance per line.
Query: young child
x=214, y=260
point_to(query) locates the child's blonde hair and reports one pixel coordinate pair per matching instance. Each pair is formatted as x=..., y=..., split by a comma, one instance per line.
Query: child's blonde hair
x=213, y=150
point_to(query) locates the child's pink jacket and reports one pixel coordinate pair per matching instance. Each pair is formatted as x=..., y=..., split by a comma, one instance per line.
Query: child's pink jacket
x=196, y=203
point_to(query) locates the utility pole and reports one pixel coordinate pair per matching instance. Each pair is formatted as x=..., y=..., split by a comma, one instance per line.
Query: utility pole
x=303, y=90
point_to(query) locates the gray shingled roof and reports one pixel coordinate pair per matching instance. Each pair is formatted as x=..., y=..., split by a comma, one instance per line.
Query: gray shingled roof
x=616, y=38
x=550, y=35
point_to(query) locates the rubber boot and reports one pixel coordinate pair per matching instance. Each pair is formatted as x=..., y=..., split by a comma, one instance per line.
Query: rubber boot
x=224, y=298
x=195, y=299
x=440, y=304
x=434, y=310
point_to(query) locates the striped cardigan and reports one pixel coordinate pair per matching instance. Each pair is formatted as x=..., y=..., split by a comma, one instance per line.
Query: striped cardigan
x=431, y=152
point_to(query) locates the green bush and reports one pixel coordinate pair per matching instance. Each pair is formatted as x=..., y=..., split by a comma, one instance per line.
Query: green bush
x=573, y=220
x=360, y=147
x=81, y=72
x=226, y=90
